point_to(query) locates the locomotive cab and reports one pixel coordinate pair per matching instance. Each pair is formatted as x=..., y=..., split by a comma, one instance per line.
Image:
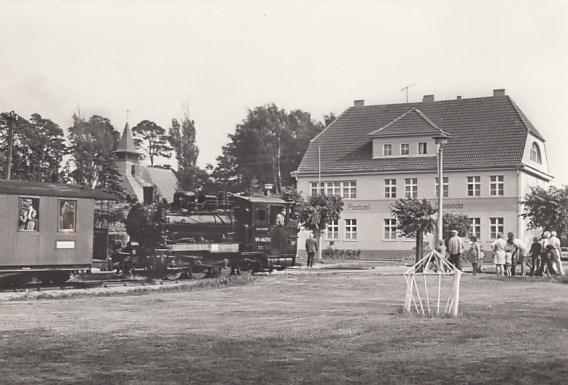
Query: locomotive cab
x=266, y=229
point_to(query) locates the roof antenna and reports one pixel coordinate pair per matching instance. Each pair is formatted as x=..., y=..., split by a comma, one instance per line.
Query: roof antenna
x=406, y=89
x=127, y=111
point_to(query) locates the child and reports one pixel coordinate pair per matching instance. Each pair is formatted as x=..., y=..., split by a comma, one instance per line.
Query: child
x=509, y=257
x=474, y=253
x=534, y=253
x=481, y=259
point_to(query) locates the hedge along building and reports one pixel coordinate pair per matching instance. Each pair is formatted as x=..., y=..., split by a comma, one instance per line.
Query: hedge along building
x=374, y=155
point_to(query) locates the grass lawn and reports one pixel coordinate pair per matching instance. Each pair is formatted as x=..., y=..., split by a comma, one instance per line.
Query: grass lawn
x=323, y=327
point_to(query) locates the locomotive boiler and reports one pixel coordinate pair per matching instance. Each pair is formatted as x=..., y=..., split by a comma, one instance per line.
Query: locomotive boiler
x=202, y=235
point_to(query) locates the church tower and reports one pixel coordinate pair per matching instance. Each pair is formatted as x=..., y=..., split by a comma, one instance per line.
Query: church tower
x=145, y=184
x=127, y=157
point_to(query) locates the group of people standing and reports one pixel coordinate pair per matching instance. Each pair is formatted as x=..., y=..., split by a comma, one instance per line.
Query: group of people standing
x=544, y=254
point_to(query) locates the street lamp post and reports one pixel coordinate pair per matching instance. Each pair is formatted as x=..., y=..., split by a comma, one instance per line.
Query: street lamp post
x=441, y=141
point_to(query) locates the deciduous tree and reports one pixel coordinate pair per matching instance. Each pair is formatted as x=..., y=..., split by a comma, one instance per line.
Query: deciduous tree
x=267, y=145
x=414, y=219
x=38, y=148
x=547, y=209
x=455, y=221
x=92, y=149
x=318, y=211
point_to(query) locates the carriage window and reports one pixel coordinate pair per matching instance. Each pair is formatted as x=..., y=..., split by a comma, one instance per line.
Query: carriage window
x=67, y=215
x=261, y=215
x=29, y=214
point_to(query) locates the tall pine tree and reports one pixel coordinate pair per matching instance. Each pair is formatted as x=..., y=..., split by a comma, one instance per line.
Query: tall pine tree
x=182, y=138
x=152, y=139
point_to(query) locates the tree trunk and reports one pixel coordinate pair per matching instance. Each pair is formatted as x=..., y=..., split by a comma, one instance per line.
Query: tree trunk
x=317, y=257
x=419, y=246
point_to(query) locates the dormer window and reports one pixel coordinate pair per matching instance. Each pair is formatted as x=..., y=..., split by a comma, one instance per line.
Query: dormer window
x=407, y=136
x=535, y=153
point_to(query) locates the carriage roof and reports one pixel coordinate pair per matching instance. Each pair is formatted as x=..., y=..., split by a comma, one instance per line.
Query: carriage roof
x=19, y=187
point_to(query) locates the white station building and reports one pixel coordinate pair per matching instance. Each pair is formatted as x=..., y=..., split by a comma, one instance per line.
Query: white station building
x=374, y=155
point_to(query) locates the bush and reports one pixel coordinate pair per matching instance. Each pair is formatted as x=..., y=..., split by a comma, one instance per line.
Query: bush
x=331, y=253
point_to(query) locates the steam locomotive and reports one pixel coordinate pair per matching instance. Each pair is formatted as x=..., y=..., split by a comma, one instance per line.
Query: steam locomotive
x=201, y=235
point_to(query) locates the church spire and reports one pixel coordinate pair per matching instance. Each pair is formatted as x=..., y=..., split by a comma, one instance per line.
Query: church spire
x=126, y=148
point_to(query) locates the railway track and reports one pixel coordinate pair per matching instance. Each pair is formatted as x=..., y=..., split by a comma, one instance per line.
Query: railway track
x=98, y=281
x=88, y=284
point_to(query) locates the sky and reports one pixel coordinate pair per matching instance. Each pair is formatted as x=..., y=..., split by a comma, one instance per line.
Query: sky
x=221, y=58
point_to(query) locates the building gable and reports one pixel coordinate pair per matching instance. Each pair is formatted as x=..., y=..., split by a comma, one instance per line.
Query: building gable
x=409, y=135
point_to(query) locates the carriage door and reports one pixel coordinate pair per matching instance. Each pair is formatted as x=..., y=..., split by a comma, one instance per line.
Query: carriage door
x=261, y=228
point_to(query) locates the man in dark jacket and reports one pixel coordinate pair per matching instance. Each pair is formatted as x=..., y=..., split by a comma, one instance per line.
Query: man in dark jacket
x=311, y=249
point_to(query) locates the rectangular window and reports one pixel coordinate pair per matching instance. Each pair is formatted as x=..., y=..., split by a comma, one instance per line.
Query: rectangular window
x=347, y=190
x=497, y=185
x=390, y=188
x=446, y=187
x=351, y=229
x=475, y=227
x=497, y=227
x=411, y=187
x=332, y=188
x=390, y=228
x=332, y=230
x=67, y=215
x=405, y=149
x=314, y=189
x=422, y=148
x=473, y=186
x=29, y=214
x=387, y=149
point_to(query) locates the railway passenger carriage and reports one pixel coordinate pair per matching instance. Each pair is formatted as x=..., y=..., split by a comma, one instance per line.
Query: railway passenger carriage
x=46, y=230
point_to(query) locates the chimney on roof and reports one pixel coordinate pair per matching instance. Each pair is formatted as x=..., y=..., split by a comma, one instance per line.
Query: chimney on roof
x=428, y=99
x=359, y=103
x=500, y=92
x=459, y=98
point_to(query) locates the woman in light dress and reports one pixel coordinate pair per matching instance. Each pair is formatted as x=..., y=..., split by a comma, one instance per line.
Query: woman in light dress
x=499, y=249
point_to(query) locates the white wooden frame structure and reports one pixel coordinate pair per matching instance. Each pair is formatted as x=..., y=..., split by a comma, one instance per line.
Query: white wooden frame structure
x=436, y=266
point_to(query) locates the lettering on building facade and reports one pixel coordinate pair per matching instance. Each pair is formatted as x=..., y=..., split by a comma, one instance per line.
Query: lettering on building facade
x=358, y=207
x=450, y=206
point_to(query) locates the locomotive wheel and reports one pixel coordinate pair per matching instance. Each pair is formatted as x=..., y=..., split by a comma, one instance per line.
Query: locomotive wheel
x=221, y=271
x=247, y=269
x=198, y=273
x=245, y=272
x=173, y=272
x=174, y=275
